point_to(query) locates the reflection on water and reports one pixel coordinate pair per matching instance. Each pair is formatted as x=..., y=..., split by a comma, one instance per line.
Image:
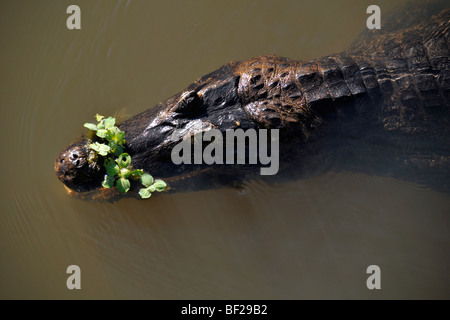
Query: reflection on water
x=312, y=238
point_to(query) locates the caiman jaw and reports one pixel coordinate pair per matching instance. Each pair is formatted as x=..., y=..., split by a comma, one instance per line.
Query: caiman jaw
x=111, y=194
x=101, y=194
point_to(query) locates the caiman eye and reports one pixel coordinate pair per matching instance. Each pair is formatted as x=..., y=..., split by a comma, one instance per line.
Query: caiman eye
x=189, y=102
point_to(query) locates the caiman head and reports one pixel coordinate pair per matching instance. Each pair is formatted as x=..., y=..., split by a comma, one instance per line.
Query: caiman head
x=212, y=102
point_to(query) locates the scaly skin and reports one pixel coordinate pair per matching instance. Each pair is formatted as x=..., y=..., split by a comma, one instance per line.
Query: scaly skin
x=390, y=92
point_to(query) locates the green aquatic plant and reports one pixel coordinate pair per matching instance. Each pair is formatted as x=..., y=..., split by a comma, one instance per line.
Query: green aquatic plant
x=150, y=186
x=106, y=129
x=117, y=163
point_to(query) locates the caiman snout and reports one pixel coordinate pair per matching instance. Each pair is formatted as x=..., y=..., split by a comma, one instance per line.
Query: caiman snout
x=74, y=170
x=74, y=158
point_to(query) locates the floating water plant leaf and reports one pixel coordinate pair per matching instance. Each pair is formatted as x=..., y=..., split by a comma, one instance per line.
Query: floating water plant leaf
x=100, y=148
x=116, y=135
x=109, y=122
x=123, y=185
x=146, y=180
x=124, y=160
x=160, y=185
x=101, y=125
x=119, y=137
x=145, y=193
x=112, y=168
x=91, y=126
x=101, y=133
x=98, y=117
x=108, y=182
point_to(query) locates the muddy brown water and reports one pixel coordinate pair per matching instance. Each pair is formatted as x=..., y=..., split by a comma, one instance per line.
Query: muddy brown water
x=312, y=238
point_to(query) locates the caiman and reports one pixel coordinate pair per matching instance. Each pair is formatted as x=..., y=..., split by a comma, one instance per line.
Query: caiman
x=381, y=107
